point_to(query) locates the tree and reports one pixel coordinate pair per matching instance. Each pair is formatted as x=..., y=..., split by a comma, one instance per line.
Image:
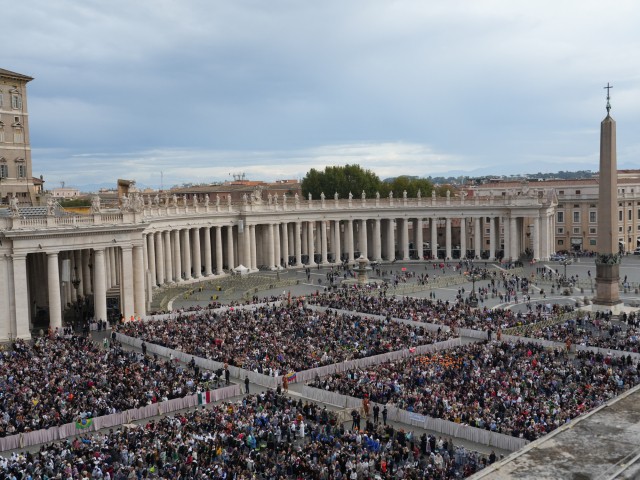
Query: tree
x=409, y=184
x=343, y=180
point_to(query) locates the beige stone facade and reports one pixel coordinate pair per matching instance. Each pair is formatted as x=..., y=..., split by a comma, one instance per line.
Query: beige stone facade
x=576, y=219
x=15, y=148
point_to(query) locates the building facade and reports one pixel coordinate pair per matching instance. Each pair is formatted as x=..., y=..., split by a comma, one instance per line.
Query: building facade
x=15, y=147
x=576, y=220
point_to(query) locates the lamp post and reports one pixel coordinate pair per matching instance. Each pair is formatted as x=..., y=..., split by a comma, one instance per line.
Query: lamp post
x=473, y=300
x=565, y=281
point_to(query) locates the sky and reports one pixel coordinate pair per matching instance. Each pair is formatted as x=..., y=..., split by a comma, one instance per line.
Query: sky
x=166, y=92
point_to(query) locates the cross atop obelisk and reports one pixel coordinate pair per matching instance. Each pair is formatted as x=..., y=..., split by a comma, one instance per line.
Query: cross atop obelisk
x=608, y=89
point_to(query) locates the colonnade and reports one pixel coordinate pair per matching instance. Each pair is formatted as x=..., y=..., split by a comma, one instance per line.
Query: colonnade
x=126, y=259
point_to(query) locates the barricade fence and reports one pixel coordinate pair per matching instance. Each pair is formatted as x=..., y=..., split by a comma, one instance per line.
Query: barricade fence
x=473, y=434
x=433, y=327
x=29, y=439
x=361, y=363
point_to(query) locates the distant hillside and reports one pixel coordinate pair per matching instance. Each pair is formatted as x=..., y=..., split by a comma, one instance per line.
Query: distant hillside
x=562, y=175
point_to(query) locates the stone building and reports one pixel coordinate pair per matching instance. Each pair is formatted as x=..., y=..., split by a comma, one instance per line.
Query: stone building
x=576, y=220
x=15, y=147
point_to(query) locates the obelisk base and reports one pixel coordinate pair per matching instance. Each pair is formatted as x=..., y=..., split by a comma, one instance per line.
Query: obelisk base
x=608, y=286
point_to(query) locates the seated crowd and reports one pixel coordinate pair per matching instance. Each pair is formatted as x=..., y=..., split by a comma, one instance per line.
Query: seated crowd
x=264, y=436
x=54, y=381
x=278, y=339
x=518, y=389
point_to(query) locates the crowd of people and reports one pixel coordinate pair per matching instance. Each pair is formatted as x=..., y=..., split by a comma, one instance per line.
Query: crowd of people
x=455, y=314
x=57, y=380
x=265, y=436
x=595, y=331
x=518, y=389
x=274, y=340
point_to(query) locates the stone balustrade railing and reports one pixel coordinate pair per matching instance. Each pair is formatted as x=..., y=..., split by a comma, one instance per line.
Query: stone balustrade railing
x=162, y=211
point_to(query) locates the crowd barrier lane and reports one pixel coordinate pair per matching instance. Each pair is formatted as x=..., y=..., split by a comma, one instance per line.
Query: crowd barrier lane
x=361, y=363
x=38, y=437
x=433, y=327
x=204, y=363
x=174, y=315
x=472, y=333
x=452, y=429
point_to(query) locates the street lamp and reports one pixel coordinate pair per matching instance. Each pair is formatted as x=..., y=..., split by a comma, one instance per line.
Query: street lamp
x=473, y=299
x=565, y=281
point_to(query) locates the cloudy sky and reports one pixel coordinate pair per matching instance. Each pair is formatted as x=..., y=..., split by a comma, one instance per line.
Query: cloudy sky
x=202, y=89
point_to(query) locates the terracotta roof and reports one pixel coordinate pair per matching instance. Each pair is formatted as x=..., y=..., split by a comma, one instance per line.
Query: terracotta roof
x=19, y=76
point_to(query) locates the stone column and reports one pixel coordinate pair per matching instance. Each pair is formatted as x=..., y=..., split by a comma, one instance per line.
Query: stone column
x=252, y=241
x=350, y=246
x=544, y=237
x=277, y=250
x=513, y=238
x=139, y=298
x=99, y=285
x=219, y=269
x=447, y=239
x=419, y=239
x=463, y=238
x=186, y=252
x=126, y=287
x=79, y=271
x=159, y=258
x=113, y=255
x=197, y=254
x=492, y=239
x=246, y=247
x=477, y=237
x=168, y=265
x=434, y=238
x=536, y=238
x=377, y=241
x=230, y=256
x=305, y=239
x=270, y=247
x=107, y=265
x=310, y=245
x=53, y=283
x=285, y=243
x=391, y=240
x=6, y=330
x=336, y=240
x=86, y=271
x=298, y=243
x=21, y=297
x=404, y=235
x=362, y=238
x=506, y=222
x=207, y=251
x=177, y=256
x=323, y=241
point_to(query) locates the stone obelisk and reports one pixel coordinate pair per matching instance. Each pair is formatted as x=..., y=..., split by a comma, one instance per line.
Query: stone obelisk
x=608, y=253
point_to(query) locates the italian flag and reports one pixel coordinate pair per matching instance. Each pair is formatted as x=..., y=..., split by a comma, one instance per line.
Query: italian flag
x=204, y=397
